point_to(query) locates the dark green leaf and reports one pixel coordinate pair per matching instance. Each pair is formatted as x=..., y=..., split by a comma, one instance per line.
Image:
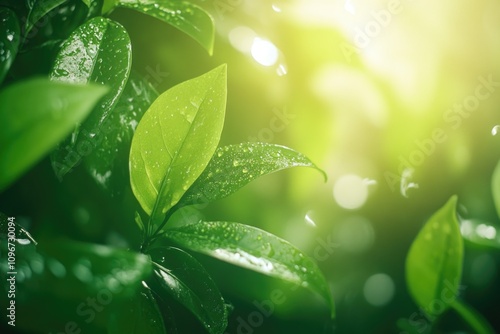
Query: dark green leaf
x=254, y=249
x=434, y=262
x=137, y=315
x=183, y=15
x=480, y=233
x=185, y=279
x=175, y=140
x=9, y=40
x=98, y=51
x=108, y=163
x=33, y=126
x=234, y=166
x=39, y=9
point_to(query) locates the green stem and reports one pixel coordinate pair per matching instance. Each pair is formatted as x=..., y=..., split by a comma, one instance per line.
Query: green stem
x=473, y=318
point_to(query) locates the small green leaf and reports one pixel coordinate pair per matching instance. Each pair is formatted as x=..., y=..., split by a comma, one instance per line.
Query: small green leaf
x=175, y=140
x=234, y=166
x=98, y=51
x=39, y=9
x=434, y=262
x=185, y=279
x=183, y=15
x=31, y=127
x=108, y=163
x=480, y=233
x=254, y=249
x=495, y=187
x=137, y=315
x=9, y=40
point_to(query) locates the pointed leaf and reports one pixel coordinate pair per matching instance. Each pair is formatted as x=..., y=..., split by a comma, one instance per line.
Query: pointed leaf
x=9, y=40
x=98, y=51
x=234, y=166
x=38, y=9
x=183, y=15
x=31, y=127
x=254, y=249
x=185, y=279
x=108, y=163
x=495, y=187
x=434, y=262
x=175, y=140
x=137, y=315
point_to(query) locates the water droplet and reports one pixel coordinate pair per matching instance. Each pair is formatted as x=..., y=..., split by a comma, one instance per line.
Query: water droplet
x=406, y=183
x=495, y=130
x=236, y=163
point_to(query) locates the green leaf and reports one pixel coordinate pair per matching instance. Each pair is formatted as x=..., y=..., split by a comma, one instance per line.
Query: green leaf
x=108, y=163
x=183, y=15
x=9, y=40
x=175, y=140
x=495, y=187
x=185, y=279
x=20, y=234
x=234, y=166
x=33, y=126
x=480, y=233
x=254, y=249
x=98, y=51
x=434, y=262
x=39, y=9
x=137, y=315
x=108, y=5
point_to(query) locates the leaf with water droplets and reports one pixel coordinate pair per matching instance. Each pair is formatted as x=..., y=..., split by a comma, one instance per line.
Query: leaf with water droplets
x=175, y=140
x=31, y=127
x=108, y=162
x=184, y=278
x=9, y=40
x=99, y=51
x=183, y=15
x=137, y=315
x=434, y=262
x=38, y=9
x=232, y=167
x=254, y=249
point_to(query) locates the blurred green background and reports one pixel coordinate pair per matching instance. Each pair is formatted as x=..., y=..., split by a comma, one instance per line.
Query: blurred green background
x=398, y=101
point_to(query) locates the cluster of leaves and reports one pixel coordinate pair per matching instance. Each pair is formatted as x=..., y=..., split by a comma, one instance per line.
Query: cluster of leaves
x=166, y=143
x=434, y=268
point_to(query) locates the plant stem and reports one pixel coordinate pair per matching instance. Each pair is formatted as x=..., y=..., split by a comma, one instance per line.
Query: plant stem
x=473, y=318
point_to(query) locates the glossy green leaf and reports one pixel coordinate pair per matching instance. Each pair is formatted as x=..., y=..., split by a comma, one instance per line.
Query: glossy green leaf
x=98, y=51
x=495, y=187
x=234, y=166
x=480, y=233
x=9, y=40
x=40, y=8
x=33, y=126
x=108, y=162
x=137, y=315
x=185, y=279
x=434, y=262
x=175, y=140
x=183, y=15
x=254, y=249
